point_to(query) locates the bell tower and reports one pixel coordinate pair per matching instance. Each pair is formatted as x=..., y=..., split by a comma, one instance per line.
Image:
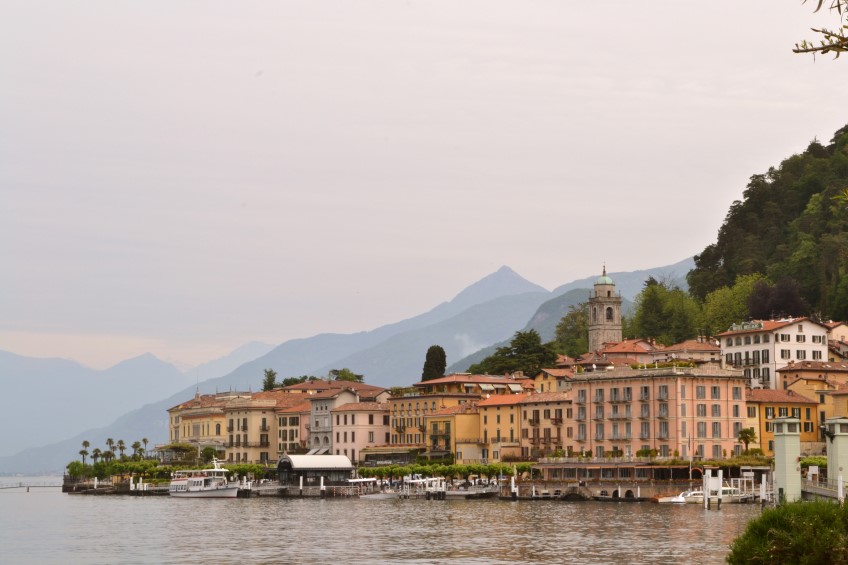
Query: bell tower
x=604, y=313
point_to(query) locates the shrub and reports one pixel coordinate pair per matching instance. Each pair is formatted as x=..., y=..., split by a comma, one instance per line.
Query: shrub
x=797, y=533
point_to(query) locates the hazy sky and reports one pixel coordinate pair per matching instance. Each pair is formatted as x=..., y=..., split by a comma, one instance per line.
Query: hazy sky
x=183, y=177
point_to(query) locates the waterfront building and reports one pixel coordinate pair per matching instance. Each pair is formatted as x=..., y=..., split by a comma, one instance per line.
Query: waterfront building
x=816, y=380
x=292, y=434
x=683, y=411
x=604, y=313
x=309, y=470
x=358, y=425
x=320, y=424
x=252, y=423
x=455, y=430
x=546, y=424
x=200, y=421
x=759, y=347
x=764, y=405
x=500, y=426
x=632, y=351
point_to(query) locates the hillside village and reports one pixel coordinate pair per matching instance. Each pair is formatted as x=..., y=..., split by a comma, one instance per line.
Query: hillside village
x=625, y=398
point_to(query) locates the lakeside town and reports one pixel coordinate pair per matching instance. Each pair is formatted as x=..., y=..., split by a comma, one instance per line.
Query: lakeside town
x=629, y=411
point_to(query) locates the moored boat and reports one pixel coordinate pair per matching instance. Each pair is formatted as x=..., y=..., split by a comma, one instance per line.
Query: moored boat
x=203, y=483
x=729, y=495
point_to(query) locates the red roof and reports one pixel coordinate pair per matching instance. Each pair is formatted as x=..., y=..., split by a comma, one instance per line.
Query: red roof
x=466, y=408
x=363, y=407
x=776, y=396
x=547, y=397
x=823, y=366
x=503, y=399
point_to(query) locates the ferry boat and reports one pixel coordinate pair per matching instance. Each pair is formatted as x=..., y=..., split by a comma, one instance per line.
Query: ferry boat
x=203, y=483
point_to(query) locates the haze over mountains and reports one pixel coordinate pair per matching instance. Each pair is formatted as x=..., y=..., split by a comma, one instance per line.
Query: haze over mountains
x=129, y=400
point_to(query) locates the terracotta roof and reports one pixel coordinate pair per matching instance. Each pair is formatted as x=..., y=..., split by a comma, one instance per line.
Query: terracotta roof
x=841, y=389
x=463, y=378
x=321, y=384
x=304, y=406
x=466, y=408
x=693, y=345
x=210, y=400
x=559, y=373
x=362, y=407
x=776, y=396
x=630, y=346
x=547, y=397
x=824, y=366
x=503, y=399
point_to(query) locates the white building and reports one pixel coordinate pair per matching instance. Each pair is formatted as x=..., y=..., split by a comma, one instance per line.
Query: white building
x=759, y=347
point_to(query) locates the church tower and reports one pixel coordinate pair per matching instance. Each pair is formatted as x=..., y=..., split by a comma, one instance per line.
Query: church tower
x=604, y=313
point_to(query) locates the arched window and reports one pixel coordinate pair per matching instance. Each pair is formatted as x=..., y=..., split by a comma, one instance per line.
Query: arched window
x=595, y=314
x=317, y=440
x=217, y=429
x=326, y=440
x=609, y=314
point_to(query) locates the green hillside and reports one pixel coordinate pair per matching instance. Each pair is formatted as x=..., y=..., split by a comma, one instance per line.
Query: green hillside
x=792, y=222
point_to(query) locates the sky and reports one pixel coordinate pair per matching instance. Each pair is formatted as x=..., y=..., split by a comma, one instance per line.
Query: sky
x=183, y=177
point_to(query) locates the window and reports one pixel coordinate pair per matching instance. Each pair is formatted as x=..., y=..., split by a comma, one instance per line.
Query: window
x=717, y=429
x=702, y=429
x=716, y=411
x=663, y=392
x=801, y=355
x=784, y=337
x=702, y=410
x=757, y=338
x=747, y=340
x=782, y=411
x=818, y=339
x=715, y=393
x=735, y=410
x=717, y=452
x=729, y=342
x=738, y=340
x=700, y=391
x=765, y=355
x=817, y=355
x=769, y=412
x=796, y=413
x=737, y=393
x=785, y=354
x=800, y=338
x=766, y=338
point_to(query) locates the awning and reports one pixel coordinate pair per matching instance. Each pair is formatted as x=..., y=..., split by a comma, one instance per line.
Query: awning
x=486, y=386
x=323, y=450
x=435, y=453
x=499, y=386
x=514, y=387
x=313, y=451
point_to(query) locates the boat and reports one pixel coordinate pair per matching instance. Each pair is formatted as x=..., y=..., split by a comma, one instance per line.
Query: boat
x=473, y=492
x=203, y=483
x=729, y=495
x=384, y=495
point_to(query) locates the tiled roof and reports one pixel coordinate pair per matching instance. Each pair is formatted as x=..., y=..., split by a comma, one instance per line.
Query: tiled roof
x=776, y=396
x=463, y=378
x=693, y=345
x=559, y=373
x=547, y=397
x=631, y=346
x=502, y=399
x=303, y=406
x=466, y=408
x=362, y=407
x=824, y=366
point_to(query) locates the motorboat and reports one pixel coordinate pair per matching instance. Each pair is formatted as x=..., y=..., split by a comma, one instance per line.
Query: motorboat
x=729, y=495
x=203, y=483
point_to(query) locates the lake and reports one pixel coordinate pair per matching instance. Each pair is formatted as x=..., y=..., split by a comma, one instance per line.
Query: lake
x=46, y=526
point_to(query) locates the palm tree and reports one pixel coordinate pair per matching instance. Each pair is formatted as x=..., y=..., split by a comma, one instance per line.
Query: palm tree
x=136, y=446
x=85, y=444
x=746, y=436
x=121, y=447
x=144, y=440
x=95, y=454
x=111, y=444
x=83, y=452
x=108, y=455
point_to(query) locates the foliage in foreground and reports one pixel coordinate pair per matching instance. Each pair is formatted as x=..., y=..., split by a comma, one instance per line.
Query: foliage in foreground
x=814, y=533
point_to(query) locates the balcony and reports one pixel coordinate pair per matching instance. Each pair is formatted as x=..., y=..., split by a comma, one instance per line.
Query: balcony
x=644, y=398
x=546, y=440
x=535, y=440
x=644, y=436
x=580, y=417
x=556, y=421
x=644, y=415
x=230, y=428
x=598, y=400
x=580, y=400
x=475, y=440
x=581, y=437
x=533, y=421
x=264, y=428
x=662, y=416
x=618, y=417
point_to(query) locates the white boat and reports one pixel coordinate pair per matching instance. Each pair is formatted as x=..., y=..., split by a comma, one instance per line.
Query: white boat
x=384, y=495
x=203, y=483
x=729, y=495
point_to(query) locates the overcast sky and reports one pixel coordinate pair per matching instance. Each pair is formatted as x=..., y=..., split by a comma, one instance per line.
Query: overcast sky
x=184, y=177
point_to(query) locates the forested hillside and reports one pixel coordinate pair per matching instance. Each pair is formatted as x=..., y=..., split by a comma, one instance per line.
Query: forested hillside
x=792, y=222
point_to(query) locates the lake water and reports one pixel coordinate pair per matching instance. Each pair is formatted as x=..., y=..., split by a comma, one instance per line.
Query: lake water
x=46, y=526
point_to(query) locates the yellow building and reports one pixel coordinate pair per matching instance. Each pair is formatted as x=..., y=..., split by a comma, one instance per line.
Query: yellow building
x=764, y=405
x=201, y=420
x=500, y=426
x=455, y=431
x=546, y=424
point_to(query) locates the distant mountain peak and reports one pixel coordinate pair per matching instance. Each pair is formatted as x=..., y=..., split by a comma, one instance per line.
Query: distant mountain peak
x=503, y=282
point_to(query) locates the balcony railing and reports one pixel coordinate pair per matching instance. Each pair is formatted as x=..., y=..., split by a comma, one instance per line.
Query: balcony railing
x=477, y=440
x=580, y=400
x=533, y=421
x=581, y=437
x=264, y=428
x=556, y=421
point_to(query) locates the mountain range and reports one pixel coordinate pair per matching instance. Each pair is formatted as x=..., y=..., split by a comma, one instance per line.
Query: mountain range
x=483, y=315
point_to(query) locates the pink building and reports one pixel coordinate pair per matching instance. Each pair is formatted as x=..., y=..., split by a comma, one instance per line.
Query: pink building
x=675, y=411
x=358, y=425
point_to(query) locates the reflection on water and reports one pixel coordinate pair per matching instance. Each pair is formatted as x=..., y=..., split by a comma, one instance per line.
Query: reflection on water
x=49, y=527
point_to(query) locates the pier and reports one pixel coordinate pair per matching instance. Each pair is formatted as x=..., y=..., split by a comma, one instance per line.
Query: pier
x=32, y=484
